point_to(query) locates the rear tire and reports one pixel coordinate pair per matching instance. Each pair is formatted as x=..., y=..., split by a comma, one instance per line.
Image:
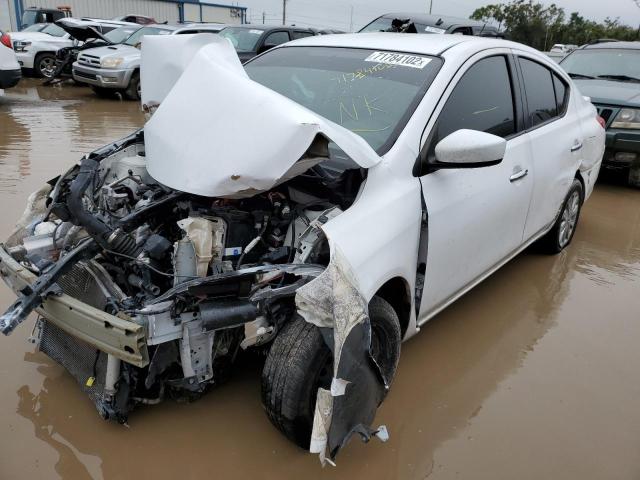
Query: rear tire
x=299, y=362
x=562, y=232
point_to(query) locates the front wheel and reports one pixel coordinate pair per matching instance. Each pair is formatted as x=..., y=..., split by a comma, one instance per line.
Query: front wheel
x=561, y=234
x=45, y=65
x=133, y=91
x=299, y=362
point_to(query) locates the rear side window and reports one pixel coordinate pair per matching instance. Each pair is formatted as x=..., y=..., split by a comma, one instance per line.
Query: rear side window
x=540, y=92
x=295, y=35
x=561, y=94
x=482, y=100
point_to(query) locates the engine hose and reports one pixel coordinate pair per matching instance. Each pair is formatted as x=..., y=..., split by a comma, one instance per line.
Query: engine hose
x=106, y=236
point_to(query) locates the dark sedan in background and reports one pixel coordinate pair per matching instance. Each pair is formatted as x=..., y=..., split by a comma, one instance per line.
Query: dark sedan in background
x=609, y=73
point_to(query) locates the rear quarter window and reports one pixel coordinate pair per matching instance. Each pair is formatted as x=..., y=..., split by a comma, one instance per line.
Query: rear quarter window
x=540, y=92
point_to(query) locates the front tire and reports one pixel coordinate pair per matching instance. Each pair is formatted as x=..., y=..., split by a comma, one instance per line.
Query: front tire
x=562, y=232
x=45, y=65
x=299, y=362
x=133, y=90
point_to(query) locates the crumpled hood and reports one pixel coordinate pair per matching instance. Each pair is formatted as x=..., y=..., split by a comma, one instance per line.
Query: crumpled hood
x=81, y=30
x=610, y=92
x=218, y=133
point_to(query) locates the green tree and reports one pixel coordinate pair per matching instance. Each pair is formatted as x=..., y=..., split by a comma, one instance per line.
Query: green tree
x=540, y=26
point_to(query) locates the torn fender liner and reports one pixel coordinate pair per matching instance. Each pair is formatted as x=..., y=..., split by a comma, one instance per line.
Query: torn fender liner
x=333, y=302
x=241, y=139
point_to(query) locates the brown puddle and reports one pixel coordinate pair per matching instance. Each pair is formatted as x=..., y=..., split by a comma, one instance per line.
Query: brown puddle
x=534, y=374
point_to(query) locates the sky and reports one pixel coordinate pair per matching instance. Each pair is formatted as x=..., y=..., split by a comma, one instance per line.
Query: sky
x=337, y=13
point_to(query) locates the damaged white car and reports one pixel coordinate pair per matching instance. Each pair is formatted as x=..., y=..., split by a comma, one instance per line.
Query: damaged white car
x=320, y=204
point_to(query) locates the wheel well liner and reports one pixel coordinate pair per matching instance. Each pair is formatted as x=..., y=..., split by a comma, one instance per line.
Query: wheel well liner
x=581, y=180
x=396, y=292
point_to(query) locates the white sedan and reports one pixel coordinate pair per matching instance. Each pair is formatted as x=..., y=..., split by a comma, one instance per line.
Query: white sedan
x=321, y=204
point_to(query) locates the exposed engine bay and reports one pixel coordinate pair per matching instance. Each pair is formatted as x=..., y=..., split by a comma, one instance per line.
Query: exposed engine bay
x=205, y=277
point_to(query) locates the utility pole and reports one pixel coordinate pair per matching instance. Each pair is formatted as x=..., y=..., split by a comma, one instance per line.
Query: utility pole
x=284, y=12
x=351, y=20
x=264, y=14
x=430, y=6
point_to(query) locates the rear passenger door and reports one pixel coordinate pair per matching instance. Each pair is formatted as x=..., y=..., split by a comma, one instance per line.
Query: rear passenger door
x=556, y=140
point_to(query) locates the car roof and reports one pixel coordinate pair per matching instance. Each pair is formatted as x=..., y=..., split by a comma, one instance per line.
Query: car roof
x=403, y=42
x=613, y=44
x=440, y=21
x=211, y=26
x=267, y=28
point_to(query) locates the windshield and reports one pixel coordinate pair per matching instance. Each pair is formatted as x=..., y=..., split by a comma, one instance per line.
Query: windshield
x=29, y=17
x=608, y=63
x=36, y=27
x=136, y=38
x=242, y=39
x=53, y=29
x=119, y=35
x=370, y=93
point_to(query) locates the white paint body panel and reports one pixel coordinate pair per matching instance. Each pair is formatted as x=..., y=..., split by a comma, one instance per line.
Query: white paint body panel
x=241, y=138
x=40, y=42
x=477, y=218
x=8, y=59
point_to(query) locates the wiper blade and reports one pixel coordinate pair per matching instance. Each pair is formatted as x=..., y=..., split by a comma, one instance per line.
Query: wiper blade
x=580, y=75
x=623, y=78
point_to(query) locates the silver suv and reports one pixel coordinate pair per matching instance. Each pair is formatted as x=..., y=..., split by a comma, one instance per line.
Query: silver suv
x=117, y=67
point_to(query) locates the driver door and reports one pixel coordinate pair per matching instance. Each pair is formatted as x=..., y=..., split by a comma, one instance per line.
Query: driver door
x=476, y=216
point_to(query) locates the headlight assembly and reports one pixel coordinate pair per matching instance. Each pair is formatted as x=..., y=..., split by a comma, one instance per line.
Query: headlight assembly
x=627, y=118
x=114, y=62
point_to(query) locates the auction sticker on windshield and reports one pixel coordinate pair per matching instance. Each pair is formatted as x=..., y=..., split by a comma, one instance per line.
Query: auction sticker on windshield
x=400, y=59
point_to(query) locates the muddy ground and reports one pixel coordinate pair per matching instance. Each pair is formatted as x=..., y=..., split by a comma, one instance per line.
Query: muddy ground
x=535, y=374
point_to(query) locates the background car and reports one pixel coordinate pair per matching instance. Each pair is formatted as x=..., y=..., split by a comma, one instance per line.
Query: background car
x=116, y=68
x=36, y=51
x=10, y=72
x=139, y=19
x=252, y=40
x=36, y=27
x=422, y=23
x=609, y=73
x=33, y=15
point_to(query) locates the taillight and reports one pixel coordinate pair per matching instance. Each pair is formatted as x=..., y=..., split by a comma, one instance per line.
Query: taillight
x=601, y=121
x=6, y=40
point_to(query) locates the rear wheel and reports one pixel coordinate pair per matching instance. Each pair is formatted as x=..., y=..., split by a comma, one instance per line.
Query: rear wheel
x=299, y=362
x=561, y=234
x=45, y=65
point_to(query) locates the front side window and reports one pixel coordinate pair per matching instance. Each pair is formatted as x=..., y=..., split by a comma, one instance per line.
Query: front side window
x=540, y=93
x=243, y=39
x=371, y=93
x=276, y=38
x=482, y=100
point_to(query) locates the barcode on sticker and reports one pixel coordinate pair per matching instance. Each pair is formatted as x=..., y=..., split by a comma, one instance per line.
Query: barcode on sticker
x=400, y=59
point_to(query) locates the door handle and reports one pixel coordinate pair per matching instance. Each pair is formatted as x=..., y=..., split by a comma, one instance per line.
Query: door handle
x=577, y=146
x=518, y=175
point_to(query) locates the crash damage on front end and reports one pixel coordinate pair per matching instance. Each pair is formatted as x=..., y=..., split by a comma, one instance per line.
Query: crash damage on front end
x=156, y=259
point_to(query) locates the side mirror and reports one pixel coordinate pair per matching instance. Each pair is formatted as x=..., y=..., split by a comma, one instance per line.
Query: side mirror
x=469, y=149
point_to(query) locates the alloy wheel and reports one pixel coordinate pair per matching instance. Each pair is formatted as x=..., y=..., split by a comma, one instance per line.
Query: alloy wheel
x=569, y=219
